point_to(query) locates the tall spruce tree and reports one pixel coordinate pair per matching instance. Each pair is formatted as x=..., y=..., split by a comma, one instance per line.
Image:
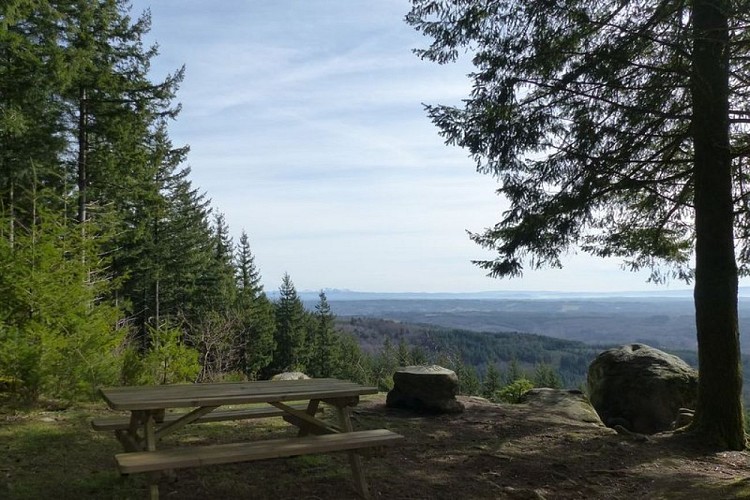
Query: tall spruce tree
x=31, y=114
x=619, y=127
x=219, y=279
x=248, y=276
x=291, y=320
x=256, y=343
x=114, y=105
x=323, y=345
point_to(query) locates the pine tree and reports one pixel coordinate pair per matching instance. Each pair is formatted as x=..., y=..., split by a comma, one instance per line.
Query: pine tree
x=219, y=280
x=491, y=383
x=620, y=128
x=115, y=105
x=31, y=115
x=291, y=318
x=58, y=334
x=248, y=277
x=404, y=355
x=352, y=363
x=256, y=339
x=323, y=344
x=260, y=337
x=514, y=372
x=546, y=376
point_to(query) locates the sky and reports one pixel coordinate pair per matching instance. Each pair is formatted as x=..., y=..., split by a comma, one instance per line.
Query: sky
x=307, y=130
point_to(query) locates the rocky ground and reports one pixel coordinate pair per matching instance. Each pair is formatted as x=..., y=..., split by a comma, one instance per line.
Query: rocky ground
x=552, y=448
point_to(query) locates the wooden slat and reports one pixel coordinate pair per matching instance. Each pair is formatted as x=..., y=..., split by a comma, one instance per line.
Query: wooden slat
x=113, y=424
x=192, y=395
x=149, y=461
x=183, y=420
x=304, y=421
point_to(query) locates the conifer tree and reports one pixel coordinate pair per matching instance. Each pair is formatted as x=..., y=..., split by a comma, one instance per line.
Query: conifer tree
x=619, y=128
x=291, y=318
x=31, y=115
x=256, y=338
x=58, y=333
x=248, y=277
x=491, y=383
x=323, y=345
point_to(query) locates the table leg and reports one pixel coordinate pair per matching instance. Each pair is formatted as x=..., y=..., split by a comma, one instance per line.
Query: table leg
x=149, y=430
x=312, y=408
x=355, y=460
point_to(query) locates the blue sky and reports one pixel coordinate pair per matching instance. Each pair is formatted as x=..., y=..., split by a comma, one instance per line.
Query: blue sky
x=306, y=129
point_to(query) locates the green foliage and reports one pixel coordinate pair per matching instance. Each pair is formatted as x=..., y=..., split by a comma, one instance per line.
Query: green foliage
x=546, y=376
x=514, y=372
x=167, y=361
x=491, y=383
x=588, y=131
x=19, y=365
x=322, y=345
x=468, y=379
x=468, y=353
x=352, y=363
x=512, y=392
x=384, y=365
x=57, y=336
x=291, y=323
x=257, y=336
x=257, y=318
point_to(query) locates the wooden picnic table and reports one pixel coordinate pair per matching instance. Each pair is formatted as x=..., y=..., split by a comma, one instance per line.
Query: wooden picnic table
x=149, y=421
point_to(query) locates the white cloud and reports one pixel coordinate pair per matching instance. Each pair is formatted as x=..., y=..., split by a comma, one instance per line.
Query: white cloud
x=306, y=128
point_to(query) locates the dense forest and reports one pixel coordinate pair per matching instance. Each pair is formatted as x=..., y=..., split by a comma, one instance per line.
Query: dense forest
x=511, y=354
x=544, y=361
x=114, y=268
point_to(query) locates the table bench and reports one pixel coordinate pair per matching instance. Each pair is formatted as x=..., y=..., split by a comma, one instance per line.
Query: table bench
x=122, y=423
x=149, y=421
x=198, y=456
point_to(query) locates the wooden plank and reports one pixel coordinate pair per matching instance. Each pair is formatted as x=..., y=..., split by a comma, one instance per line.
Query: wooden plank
x=183, y=420
x=355, y=461
x=305, y=421
x=149, y=461
x=116, y=423
x=193, y=395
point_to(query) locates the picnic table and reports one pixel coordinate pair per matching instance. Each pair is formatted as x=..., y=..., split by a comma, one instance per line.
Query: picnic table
x=152, y=417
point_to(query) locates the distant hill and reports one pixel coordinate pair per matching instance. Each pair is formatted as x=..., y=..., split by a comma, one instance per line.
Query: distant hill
x=570, y=359
x=477, y=349
x=663, y=322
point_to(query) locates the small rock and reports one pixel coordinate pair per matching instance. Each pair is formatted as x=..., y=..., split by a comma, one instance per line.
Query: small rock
x=290, y=376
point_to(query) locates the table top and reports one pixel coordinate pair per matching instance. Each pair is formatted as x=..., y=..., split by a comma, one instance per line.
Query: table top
x=194, y=395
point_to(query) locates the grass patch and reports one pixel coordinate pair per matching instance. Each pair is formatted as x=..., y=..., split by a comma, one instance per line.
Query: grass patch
x=56, y=454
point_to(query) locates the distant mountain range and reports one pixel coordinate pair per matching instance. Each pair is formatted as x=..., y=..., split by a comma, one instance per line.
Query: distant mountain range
x=335, y=294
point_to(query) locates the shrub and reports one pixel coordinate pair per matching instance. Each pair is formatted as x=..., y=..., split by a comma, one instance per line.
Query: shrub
x=512, y=392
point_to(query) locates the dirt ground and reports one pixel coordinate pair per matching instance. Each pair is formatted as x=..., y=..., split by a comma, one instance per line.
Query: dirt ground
x=498, y=451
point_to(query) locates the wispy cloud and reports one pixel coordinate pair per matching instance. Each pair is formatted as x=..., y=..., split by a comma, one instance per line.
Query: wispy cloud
x=306, y=128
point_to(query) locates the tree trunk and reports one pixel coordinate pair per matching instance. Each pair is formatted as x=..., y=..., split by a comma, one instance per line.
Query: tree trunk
x=719, y=415
x=82, y=147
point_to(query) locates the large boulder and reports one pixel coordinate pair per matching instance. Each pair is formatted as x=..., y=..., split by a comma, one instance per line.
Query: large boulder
x=425, y=388
x=640, y=388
